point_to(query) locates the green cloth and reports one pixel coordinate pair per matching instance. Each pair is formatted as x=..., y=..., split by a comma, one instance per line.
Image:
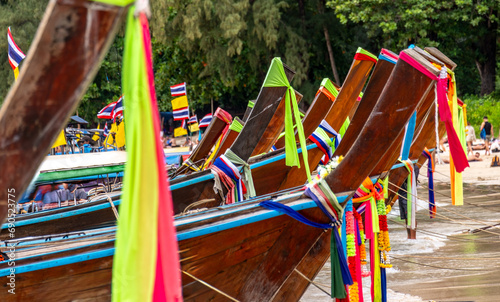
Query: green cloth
x=330, y=87
x=361, y=50
x=461, y=128
x=236, y=126
x=338, y=287
x=68, y=174
x=247, y=171
x=116, y=2
x=276, y=77
x=251, y=104
x=344, y=127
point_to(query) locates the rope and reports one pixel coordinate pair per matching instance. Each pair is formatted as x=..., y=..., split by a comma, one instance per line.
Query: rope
x=450, y=258
x=210, y=286
x=314, y=283
x=438, y=267
x=445, y=217
x=449, y=237
x=112, y=206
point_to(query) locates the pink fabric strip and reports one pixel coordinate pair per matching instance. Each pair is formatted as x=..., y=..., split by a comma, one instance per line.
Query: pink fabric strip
x=168, y=286
x=368, y=220
x=403, y=56
x=389, y=54
x=359, y=279
x=372, y=266
x=457, y=152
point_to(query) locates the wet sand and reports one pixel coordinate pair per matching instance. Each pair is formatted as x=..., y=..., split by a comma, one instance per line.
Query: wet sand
x=452, y=259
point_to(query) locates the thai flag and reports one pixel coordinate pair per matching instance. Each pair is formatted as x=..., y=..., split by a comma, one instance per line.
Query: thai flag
x=106, y=130
x=206, y=120
x=118, y=109
x=108, y=111
x=181, y=114
x=15, y=53
x=193, y=119
x=178, y=90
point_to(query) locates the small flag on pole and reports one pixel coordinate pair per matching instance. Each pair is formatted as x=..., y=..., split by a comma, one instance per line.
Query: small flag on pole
x=113, y=110
x=15, y=54
x=205, y=121
x=106, y=130
x=180, y=108
x=178, y=90
x=118, y=109
x=193, y=119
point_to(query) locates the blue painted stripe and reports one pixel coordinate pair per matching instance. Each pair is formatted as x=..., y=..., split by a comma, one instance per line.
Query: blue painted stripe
x=63, y=214
x=386, y=58
x=58, y=262
x=191, y=181
x=256, y=217
x=278, y=157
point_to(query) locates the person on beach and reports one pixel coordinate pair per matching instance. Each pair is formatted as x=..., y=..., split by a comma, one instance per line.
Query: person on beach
x=471, y=137
x=488, y=129
x=475, y=157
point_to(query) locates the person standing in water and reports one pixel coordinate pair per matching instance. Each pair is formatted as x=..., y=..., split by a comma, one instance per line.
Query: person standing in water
x=471, y=137
x=488, y=129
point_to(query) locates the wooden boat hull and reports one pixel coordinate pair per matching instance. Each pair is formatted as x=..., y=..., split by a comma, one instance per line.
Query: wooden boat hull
x=253, y=257
x=71, y=41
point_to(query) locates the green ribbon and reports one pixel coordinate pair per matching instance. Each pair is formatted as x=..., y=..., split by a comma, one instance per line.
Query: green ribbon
x=276, y=77
x=338, y=287
x=116, y=2
x=325, y=188
x=327, y=83
x=365, y=52
x=247, y=172
x=236, y=126
x=344, y=127
x=251, y=104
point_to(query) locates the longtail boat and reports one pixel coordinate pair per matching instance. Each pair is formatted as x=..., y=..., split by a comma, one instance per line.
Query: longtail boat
x=220, y=121
x=195, y=190
x=397, y=177
x=71, y=42
x=243, y=250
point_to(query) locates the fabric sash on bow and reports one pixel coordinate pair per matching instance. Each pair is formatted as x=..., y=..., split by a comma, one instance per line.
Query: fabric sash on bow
x=430, y=176
x=411, y=195
x=408, y=138
x=328, y=89
x=226, y=117
x=276, y=77
x=323, y=141
x=228, y=173
x=456, y=150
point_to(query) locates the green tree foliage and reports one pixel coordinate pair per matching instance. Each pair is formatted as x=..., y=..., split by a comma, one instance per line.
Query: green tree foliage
x=466, y=30
x=478, y=107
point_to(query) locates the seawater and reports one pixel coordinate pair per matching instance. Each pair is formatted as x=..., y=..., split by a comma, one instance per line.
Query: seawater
x=450, y=260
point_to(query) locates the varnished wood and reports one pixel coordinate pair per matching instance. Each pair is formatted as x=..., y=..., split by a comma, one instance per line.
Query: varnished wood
x=394, y=150
x=317, y=111
x=248, y=111
x=267, y=102
x=438, y=54
x=228, y=139
x=274, y=128
x=207, y=142
x=379, y=78
x=381, y=128
x=55, y=75
x=353, y=84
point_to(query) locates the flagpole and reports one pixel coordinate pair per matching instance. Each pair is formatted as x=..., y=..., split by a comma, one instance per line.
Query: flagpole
x=212, y=105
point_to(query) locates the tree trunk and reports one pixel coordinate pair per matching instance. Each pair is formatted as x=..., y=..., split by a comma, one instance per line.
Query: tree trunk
x=330, y=54
x=487, y=63
x=302, y=12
